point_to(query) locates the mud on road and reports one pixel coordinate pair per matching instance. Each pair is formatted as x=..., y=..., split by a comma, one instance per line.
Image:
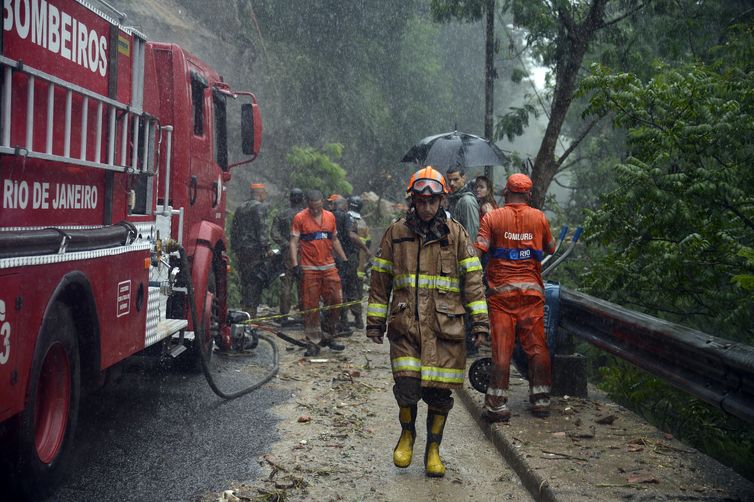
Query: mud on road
x=338, y=425
x=338, y=430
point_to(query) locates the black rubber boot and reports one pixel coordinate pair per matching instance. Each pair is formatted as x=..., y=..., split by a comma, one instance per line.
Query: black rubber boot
x=311, y=350
x=332, y=344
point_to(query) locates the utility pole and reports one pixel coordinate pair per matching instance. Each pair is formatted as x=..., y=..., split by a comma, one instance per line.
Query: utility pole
x=489, y=77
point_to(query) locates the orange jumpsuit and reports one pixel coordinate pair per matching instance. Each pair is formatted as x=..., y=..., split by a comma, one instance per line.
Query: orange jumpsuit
x=320, y=276
x=516, y=237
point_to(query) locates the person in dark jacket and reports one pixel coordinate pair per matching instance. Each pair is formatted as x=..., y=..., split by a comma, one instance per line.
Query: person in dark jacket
x=250, y=244
x=462, y=202
x=361, y=228
x=281, y=235
x=348, y=270
x=463, y=207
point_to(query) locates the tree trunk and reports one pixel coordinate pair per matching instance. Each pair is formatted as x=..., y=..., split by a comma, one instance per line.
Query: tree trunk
x=573, y=43
x=489, y=78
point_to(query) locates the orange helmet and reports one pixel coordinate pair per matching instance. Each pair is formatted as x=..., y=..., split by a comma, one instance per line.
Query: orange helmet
x=427, y=181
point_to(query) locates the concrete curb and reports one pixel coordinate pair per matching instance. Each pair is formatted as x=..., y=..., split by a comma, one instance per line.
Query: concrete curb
x=537, y=486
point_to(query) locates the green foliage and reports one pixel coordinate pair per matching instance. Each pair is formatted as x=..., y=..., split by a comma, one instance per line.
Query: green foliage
x=542, y=23
x=372, y=76
x=316, y=169
x=671, y=234
x=518, y=74
x=746, y=281
x=468, y=11
x=512, y=124
x=703, y=426
x=684, y=207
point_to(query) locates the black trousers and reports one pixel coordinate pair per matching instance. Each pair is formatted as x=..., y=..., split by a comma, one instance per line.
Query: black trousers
x=408, y=391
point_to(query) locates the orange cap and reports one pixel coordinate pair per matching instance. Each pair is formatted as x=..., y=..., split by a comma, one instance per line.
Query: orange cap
x=257, y=186
x=334, y=196
x=518, y=183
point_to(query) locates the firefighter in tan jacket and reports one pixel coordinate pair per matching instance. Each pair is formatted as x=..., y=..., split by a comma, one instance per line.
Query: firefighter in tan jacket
x=429, y=266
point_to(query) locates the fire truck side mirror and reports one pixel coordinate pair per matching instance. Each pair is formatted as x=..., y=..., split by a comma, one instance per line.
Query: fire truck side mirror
x=251, y=128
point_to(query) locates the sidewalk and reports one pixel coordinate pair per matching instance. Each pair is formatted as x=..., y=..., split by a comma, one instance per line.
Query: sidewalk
x=592, y=449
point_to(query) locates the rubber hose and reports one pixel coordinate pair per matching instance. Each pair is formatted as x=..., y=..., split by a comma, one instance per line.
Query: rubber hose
x=199, y=336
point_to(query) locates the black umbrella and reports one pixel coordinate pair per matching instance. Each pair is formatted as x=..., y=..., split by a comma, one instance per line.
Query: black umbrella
x=455, y=149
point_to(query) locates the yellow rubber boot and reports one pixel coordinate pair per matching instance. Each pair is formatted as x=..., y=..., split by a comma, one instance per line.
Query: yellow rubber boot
x=433, y=466
x=404, y=450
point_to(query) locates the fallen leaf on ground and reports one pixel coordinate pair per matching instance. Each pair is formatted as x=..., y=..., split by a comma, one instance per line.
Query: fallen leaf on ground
x=285, y=485
x=583, y=434
x=608, y=420
x=641, y=478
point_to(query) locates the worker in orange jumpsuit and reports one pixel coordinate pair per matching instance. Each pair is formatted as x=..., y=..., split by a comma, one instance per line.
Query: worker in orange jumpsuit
x=515, y=238
x=314, y=233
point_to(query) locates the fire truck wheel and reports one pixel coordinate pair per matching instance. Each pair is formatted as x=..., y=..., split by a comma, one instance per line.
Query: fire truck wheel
x=46, y=426
x=210, y=318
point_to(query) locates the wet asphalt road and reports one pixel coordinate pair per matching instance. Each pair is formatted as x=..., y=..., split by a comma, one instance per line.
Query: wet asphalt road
x=159, y=434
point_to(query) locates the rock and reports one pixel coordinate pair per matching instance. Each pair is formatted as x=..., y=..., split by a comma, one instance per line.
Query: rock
x=608, y=420
x=228, y=496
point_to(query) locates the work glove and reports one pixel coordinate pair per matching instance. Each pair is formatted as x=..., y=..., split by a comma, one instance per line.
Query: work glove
x=296, y=271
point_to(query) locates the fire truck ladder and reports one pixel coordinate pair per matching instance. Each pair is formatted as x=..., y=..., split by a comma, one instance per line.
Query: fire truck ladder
x=120, y=116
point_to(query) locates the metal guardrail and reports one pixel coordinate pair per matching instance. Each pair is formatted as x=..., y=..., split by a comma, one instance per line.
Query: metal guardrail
x=715, y=370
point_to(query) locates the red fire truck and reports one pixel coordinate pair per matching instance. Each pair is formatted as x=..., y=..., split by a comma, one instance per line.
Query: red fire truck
x=113, y=154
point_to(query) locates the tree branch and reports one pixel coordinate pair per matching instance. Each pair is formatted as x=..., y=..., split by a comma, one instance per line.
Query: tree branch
x=739, y=16
x=576, y=141
x=624, y=15
x=738, y=213
x=567, y=187
x=567, y=20
x=566, y=166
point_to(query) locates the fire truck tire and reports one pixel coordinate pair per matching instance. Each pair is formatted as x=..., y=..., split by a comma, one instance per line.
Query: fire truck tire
x=191, y=362
x=47, y=425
